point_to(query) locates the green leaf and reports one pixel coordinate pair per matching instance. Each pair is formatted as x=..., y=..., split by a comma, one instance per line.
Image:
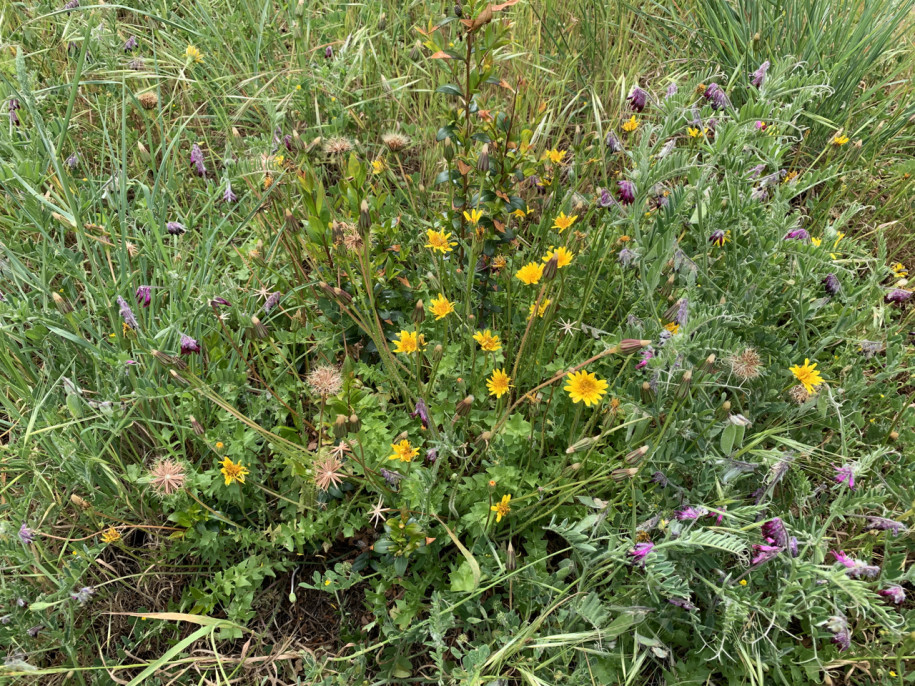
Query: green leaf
x=727, y=439
x=449, y=89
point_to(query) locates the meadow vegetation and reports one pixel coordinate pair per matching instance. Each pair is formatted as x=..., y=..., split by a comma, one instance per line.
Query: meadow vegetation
x=482, y=343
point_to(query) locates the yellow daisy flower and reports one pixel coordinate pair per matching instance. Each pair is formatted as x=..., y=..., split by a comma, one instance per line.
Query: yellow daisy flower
x=556, y=156
x=530, y=273
x=488, y=341
x=441, y=307
x=502, y=508
x=233, y=472
x=585, y=387
x=111, y=535
x=473, y=216
x=377, y=166
x=899, y=270
x=673, y=327
x=631, y=125
x=563, y=222
x=409, y=342
x=816, y=241
x=838, y=140
x=193, y=54
x=403, y=451
x=808, y=376
x=439, y=241
x=563, y=256
x=540, y=310
x=499, y=383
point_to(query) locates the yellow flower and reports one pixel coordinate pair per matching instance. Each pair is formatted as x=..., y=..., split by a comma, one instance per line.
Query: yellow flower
x=562, y=222
x=789, y=177
x=473, y=216
x=631, y=125
x=499, y=262
x=220, y=445
x=673, y=327
x=530, y=273
x=585, y=387
x=487, y=341
x=521, y=214
x=808, y=376
x=556, y=156
x=441, y=307
x=409, y=342
x=540, y=310
x=233, y=472
x=743, y=582
x=403, y=451
x=499, y=383
x=502, y=508
x=694, y=132
x=111, y=535
x=439, y=241
x=563, y=256
x=839, y=237
x=377, y=166
x=193, y=53
x=839, y=139
x=899, y=270
x=816, y=241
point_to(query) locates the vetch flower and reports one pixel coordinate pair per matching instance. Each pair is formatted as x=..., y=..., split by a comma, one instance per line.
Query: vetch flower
x=671, y=90
x=73, y=160
x=639, y=552
x=626, y=192
x=605, y=199
x=272, y=301
x=403, y=451
x=530, y=273
x=563, y=222
x=808, y=375
x=638, y=99
x=884, y=524
x=409, y=342
x=764, y=553
x=855, y=568
x=897, y=295
x=11, y=107
x=421, y=411
x=228, y=195
x=631, y=124
x=690, y=513
x=719, y=237
x=797, y=235
x=841, y=634
x=502, y=508
x=393, y=478
x=131, y=44
x=647, y=355
x=774, y=531
x=845, y=475
x=83, y=595
x=487, y=341
x=144, y=296
x=894, y=593
x=716, y=96
x=233, y=471
x=563, y=257
x=585, y=387
x=499, y=383
x=127, y=314
x=759, y=76
x=439, y=241
x=26, y=535
x=189, y=345
x=441, y=307
x=328, y=53
x=831, y=284
x=175, y=228
x=197, y=160
x=612, y=142
x=626, y=257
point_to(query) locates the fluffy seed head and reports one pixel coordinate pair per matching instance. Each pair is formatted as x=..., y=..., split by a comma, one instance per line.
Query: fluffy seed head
x=395, y=141
x=325, y=380
x=746, y=364
x=167, y=477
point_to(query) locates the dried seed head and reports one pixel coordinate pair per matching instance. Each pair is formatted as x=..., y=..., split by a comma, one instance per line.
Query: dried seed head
x=799, y=394
x=395, y=141
x=325, y=380
x=337, y=146
x=745, y=365
x=148, y=100
x=167, y=477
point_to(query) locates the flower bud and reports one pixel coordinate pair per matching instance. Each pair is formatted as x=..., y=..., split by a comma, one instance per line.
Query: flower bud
x=437, y=352
x=353, y=424
x=484, y=437
x=365, y=219
x=685, y=382
x=340, y=426
x=463, y=407
x=196, y=426
x=511, y=562
x=551, y=267
x=628, y=346
x=291, y=222
x=419, y=312
x=647, y=393
x=449, y=150
x=177, y=377
x=416, y=50
x=483, y=161
x=63, y=306
x=581, y=444
x=709, y=365
x=258, y=330
x=623, y=474
x=144, y=153
x=80, y=502
x=894, y=435
x=636, y=456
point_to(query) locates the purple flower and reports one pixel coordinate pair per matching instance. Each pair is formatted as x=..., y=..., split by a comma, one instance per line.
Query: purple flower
x=855, y=568
x=287, y=141
x=26, y=535
x=764, y=553
x=759, y=76
x=639, y=552
x=671, y=90
x=680, y=602
x=775, y=533
x=33, y=631
x=197, y=160
x=841, y=636
x=612, y=142
x=690, y=513
x=831, y=284
x=638, y=98
x=422, y=412
x=797, y=235
x=792, y=546
x=72, y=5
x=328, y=53
x=718, y=238
x=894, y=593
x=144, y=295
x=136, y=64
x=897, y=295
x=73, y=160
x=660, y=478
x=229, y=196
x=717, y=97
x=431, y=455
x=12, y=106
x=760, y=126
x=845, y=475
x=884, y=524
x=83, y=595
x=220, y=301
x=127, y=314
x=393, y=478
x=627, y=192
x=131, y=44
x=626, y=257
x=175, y=228
x=606, y=200
x=189, y=345
x=759, y=194
x=272, y=301
x=647, y=354
x=756, y=171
